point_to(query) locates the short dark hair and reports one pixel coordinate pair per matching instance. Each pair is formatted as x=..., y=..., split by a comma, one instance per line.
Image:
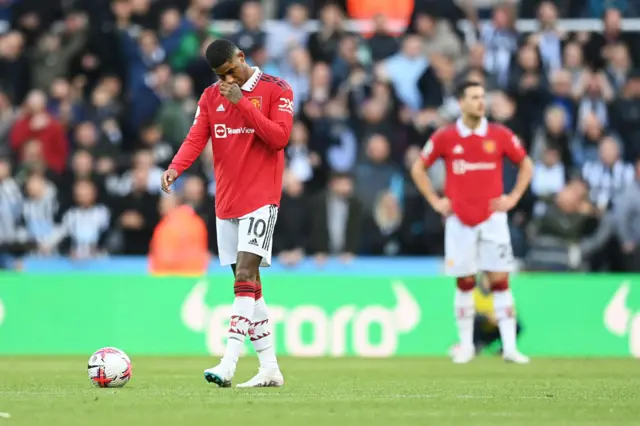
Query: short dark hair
x=219, y=52
x=461, y=90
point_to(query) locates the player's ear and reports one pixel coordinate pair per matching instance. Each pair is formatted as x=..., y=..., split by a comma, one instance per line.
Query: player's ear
x=241, y=57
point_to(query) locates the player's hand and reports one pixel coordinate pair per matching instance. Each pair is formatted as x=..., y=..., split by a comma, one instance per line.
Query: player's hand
x=168, y=178
x=504, y=203
x=442, y=206
x=231, y=92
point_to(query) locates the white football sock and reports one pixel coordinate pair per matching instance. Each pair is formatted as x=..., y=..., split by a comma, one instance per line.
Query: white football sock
x=241, y=315
x=465, y=312
x=261, y=336
x=503, y=307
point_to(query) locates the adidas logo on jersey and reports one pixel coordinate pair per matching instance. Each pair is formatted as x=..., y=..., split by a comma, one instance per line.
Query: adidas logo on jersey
x=253, y=242
x=458, y=149
x=220, y=108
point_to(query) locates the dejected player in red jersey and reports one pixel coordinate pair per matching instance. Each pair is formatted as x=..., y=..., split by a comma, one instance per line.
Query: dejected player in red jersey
x=476, y=231
x=248, y=116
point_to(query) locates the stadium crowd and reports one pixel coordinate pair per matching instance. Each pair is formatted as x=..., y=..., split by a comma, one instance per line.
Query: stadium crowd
x=96, y=97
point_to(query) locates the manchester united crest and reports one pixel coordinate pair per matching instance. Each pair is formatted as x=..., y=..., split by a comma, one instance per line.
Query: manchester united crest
x=256, y=101
x=489, y=146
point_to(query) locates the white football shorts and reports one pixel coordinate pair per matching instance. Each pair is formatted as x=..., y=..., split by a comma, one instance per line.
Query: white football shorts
x=485, y=247
x=251, y=233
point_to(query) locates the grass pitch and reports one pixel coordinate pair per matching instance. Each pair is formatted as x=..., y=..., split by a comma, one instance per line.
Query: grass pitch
x=337, y=392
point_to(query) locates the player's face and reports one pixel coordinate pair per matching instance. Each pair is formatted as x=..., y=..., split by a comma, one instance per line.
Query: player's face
x=473, y=102
x=234, y=71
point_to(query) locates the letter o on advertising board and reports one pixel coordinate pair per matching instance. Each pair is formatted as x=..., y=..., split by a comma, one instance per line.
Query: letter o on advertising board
x=293, y=331
x=361, y=332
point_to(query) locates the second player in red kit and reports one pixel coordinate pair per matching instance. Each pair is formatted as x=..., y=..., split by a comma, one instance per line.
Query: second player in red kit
x=477, y=235
x=248, y=117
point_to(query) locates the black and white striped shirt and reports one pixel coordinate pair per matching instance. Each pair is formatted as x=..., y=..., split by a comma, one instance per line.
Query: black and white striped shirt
x=85, y=226
x=500, y=45
x=607, y=183
x=10, y=208
x=39, y=215
x=10, y=194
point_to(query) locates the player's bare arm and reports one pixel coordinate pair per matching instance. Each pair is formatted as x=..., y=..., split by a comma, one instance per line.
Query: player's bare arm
x=422, y=181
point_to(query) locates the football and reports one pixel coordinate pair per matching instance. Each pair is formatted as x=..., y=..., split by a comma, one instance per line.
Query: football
x=109, y=368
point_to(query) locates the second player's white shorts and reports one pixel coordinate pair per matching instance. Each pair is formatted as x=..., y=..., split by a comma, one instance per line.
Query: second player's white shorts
x=251, y=233
x=484, y=247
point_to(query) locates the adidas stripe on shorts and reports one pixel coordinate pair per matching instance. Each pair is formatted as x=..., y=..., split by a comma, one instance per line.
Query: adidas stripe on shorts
x=251, y=233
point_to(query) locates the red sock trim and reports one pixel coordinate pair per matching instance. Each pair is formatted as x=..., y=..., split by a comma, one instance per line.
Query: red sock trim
x=258, y=291
x=466, y=283
x=500, y=285
x=244, y=289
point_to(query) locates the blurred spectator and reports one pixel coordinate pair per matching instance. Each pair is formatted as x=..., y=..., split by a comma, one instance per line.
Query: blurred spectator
x=137, y=214
x=10, y=193
x=529, y=83
x=36, y=124
x=194, y=195
x=323, y=45
x=594, y=93
x=553, y=134
x=381, y=231
x=574, y=61
x=15, y=72
x=296, y=73
x=404, y=69
x=628, y=223
x=475, y=61
x=562, y=96
x=83, y=229
x=294, y=217
x=179, y=244
x=40, y=212
x=8, y=115
x=626, y=116
x=550, y=175
x=501, y=42
x=54, y=51
x=250, y=35
x=301, y=162
x=381, y=44
x=619, y=67
x=585, y=144
x=82, y=167
x=437, y=37
x=151, y=139
x=375, y=174
x=175, y=116
x=288, y=34
x=599, y=47
x=335, y=225
x=607, y=177
x=550, y=38
x=554, y=235
x=143, y=161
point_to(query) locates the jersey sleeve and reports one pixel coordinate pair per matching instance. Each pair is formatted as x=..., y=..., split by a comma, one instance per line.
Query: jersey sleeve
x=512, y=146
x=196, y=140
x=433, y=149
x=273, y=131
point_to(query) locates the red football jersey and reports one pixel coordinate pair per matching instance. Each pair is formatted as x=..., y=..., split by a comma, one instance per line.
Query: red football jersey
x=473, y=160
x=248, y=140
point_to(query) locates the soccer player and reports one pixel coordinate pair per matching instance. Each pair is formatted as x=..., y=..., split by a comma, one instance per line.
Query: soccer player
x=248, y=116
x=476, y=230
